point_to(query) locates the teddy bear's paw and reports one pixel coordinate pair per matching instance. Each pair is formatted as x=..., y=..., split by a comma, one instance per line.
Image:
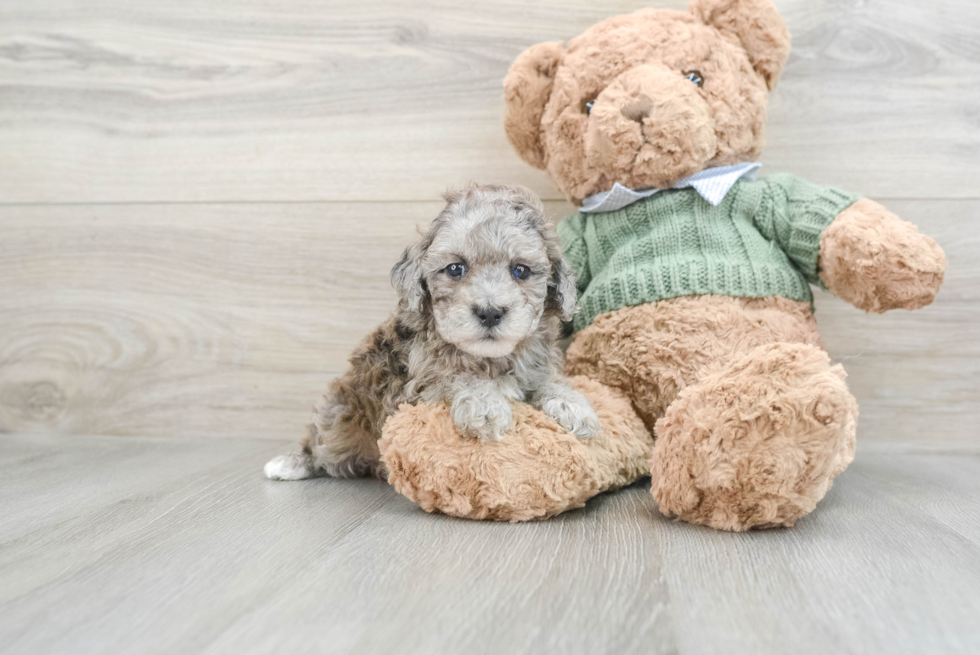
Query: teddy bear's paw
x=570, y=410
x=483, y=416
x=877, y=262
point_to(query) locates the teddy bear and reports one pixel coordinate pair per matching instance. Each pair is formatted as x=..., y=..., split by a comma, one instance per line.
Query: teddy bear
x=695, y=341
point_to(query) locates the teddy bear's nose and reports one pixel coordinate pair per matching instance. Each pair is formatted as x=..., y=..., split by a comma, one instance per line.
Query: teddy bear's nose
x=638, y=108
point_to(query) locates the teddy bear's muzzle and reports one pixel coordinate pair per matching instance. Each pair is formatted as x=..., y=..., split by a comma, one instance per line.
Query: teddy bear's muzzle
x=649, y=128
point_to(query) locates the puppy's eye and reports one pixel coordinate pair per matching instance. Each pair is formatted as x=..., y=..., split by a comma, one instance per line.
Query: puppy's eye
x=456, y=270
x=521, y=272
x=695, y=76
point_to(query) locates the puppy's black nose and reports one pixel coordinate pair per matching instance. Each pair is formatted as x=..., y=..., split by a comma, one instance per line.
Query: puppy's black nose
x=489, y=316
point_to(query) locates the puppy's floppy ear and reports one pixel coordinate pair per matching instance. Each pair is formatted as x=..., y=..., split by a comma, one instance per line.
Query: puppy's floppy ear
x=562, y=293
x=756, y=25
x=527, y=88
x=406, y=276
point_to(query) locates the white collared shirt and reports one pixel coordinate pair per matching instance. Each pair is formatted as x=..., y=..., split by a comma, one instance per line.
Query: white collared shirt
x=713, y=184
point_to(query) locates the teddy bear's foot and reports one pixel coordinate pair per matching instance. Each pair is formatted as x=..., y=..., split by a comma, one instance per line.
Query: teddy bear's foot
x=757, y=442
x=537, y=470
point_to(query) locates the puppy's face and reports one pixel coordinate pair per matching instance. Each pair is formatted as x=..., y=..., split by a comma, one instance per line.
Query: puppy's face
x=488, y=279
x=489, y=269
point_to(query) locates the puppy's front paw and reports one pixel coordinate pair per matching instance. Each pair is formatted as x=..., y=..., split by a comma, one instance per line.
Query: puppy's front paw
x=485, y=416
x=573, y=412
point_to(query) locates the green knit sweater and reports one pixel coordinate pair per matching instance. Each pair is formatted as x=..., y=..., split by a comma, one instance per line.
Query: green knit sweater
x=762, y=240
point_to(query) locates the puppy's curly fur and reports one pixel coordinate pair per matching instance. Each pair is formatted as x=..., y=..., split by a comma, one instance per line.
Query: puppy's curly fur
x=482, y=295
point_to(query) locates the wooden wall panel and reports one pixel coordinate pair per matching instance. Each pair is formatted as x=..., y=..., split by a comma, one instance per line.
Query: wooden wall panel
x=228, y=320
x=264, y=100
x=200, y=201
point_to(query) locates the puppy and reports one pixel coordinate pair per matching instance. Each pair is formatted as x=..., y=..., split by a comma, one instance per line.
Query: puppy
x=482, y=295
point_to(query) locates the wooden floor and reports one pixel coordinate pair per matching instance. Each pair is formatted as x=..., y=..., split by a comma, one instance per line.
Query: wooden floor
x=143, y=545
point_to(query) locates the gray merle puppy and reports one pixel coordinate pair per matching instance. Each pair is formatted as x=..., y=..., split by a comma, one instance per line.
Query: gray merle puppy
x=482, y=295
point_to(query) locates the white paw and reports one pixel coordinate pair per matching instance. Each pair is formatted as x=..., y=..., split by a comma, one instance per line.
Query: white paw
x=487, y=417
x=296, y=466
x=573, y=412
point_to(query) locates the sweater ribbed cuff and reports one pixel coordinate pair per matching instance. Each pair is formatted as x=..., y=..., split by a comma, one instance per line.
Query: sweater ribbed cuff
x=804, y=240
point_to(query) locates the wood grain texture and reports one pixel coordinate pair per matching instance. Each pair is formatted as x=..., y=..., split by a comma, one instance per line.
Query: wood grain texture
x=178, y=545
x=102, y=101
x=152, y=319
x=152, y=309
x=199, y=206
x=230, y=320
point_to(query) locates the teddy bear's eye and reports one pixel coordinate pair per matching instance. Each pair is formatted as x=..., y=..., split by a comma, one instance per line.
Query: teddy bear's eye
x=695, y=76
x=586, y=105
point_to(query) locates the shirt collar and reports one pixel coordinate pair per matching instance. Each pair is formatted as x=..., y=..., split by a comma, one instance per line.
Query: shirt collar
x=713, y=184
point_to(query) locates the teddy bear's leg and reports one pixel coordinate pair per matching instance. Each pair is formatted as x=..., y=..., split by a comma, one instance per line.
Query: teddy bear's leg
x=757, y=441
x=537, y=470
x=653, y=351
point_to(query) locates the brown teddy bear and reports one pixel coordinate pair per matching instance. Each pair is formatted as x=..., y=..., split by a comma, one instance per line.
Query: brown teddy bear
x=694, y=285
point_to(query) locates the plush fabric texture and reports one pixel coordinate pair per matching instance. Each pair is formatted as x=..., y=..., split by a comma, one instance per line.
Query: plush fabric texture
x=538, y=471
x=648, y=124
x=756, y=26
x=527, y=90
x=653, y=351
x=876, y=261
x=712, y=184
x=752, y=421
x=757, y=441
x=675, y=243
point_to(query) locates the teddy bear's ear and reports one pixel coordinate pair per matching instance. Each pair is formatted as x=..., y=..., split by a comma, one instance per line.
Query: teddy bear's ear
x=527, y=88
x=756, y=24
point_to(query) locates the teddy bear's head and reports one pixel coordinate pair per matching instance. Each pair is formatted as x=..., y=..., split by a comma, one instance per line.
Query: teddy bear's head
x=647, y=98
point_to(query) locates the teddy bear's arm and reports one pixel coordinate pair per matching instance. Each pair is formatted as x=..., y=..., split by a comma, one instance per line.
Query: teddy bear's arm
x=853, y=246
x=571, y=233
x=876, y=261
x=792, y=213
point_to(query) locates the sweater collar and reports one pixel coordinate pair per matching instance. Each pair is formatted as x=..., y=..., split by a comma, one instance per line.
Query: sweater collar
x=713, y=184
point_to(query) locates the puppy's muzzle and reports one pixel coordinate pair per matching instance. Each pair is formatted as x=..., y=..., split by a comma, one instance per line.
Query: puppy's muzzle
x=489, y=316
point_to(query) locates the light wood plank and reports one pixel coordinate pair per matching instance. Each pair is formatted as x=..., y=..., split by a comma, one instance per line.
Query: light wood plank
x=149, y=319
x=162, y=546
x=229, y=320
x=103, y=101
